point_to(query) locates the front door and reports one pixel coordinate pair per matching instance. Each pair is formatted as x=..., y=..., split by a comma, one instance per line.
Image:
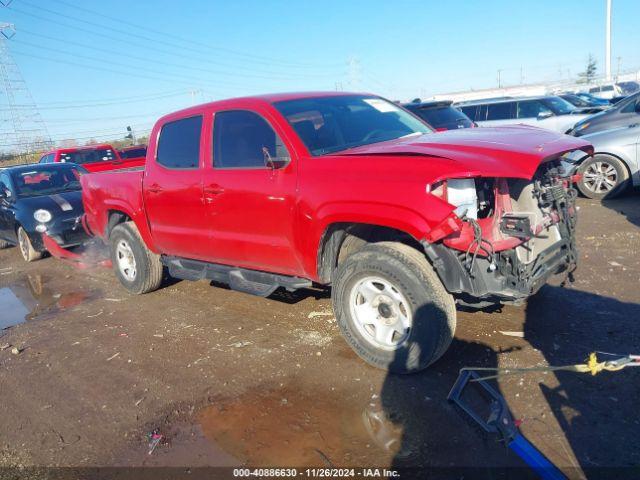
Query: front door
x=172, y=189
x=249, y=193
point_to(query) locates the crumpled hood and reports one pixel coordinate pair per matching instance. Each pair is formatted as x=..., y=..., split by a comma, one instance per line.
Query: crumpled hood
x=64, y=204
x=509, y=151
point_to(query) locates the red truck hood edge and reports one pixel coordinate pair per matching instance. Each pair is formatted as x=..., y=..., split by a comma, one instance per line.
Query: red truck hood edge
x=508, y=152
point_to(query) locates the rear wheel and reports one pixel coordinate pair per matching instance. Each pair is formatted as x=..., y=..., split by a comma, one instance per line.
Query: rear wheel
x=29, y=253
x=392, y=308
x=138, y=269
x=603, y=177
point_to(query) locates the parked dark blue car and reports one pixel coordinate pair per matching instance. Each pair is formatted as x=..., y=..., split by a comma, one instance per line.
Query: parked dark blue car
x=37, y=199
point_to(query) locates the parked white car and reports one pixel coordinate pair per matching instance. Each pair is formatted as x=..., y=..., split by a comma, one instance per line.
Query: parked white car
x=550, y=112
x=606, y=91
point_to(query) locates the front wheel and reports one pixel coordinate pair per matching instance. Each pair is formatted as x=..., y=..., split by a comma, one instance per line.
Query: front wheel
x=603, y=177
x=29, y=253
x=138, y=269
x=392, y=308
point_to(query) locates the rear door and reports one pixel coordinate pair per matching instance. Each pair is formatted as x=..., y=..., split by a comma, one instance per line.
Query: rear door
x=250, y=192
x=172, y=189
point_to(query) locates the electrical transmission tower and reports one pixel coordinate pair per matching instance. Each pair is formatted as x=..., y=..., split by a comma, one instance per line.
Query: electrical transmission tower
x=22, y=130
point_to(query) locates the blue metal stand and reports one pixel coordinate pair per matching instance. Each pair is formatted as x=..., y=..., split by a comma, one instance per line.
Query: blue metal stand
x=501, y=423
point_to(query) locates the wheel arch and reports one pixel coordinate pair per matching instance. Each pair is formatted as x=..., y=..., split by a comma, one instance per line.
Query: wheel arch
x=622, y=158
x=117, y=215
x=340, y=239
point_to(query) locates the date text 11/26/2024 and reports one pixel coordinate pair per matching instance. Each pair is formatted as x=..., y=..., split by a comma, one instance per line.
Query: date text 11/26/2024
x=316, y=472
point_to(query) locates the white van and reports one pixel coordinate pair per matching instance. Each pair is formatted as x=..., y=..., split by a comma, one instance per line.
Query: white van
x=607, y=91
x=550, y=112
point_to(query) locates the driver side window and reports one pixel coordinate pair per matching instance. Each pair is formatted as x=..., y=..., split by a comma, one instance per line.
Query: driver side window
x=243, y=139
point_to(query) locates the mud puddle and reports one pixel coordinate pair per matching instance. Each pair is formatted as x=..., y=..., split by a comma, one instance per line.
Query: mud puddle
x=294, y=427
x=31, y=297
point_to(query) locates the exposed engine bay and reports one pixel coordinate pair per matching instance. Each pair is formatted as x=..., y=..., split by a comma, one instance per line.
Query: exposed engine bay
x=516, y=234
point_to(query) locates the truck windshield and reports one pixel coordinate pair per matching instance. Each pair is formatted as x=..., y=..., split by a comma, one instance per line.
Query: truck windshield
x=331, y=124
x=46, y=181
x=88, y=156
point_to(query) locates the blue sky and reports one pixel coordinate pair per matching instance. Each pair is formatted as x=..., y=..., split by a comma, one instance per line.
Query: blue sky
x=93, y=75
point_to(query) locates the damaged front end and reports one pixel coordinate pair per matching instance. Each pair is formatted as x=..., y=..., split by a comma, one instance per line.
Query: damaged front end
x=515, y=234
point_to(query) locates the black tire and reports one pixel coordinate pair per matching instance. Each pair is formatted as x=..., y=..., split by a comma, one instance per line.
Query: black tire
x=25, y=246
x=409, y=273
x=146, y=274
x=601, y=162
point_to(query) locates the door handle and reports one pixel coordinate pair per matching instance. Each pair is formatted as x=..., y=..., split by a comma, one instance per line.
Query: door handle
x=210, y=192
x=154, y=188
x=213, y=189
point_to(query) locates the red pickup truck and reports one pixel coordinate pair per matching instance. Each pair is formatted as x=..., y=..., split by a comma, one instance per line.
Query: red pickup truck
x=347, y=190
x=94, y=158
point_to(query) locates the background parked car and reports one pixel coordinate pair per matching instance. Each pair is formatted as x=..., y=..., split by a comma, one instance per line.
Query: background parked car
x=629, y=87
x=593, y=100
x=549, y=112
x=95, y=158
x=440, y=115
x=582, y=105
x=37, y=199
x=606, y=91
x=623, y=114
x=615, y=164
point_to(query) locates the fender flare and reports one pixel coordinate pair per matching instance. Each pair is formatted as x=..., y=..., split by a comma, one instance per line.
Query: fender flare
x=394, y=217
x=137, y=216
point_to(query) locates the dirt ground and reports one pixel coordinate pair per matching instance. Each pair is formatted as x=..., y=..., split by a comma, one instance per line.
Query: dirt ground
x=230, y=379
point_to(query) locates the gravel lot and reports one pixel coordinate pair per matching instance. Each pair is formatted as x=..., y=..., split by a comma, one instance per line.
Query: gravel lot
x=231, y=379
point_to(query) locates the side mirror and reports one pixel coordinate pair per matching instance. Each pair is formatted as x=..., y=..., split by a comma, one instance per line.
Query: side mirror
x=545, y=114
x=274, y=163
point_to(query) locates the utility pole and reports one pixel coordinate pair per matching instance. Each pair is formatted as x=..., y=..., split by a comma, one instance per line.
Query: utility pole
x=499, y=79
x=607, y=56
x=22, y=129
x=619, y=58
x=353, y=74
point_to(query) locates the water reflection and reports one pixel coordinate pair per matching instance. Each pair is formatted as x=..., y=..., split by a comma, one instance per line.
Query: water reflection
x=31, y=296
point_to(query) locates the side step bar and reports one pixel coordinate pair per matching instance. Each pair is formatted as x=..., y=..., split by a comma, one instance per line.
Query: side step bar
x=254, y=282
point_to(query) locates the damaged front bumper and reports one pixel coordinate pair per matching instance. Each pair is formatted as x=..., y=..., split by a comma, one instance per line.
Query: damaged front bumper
x=64, y=232
x=503, y=280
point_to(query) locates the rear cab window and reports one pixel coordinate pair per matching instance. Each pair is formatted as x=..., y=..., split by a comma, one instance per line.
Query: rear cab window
x=179, y=144
x=81, y=157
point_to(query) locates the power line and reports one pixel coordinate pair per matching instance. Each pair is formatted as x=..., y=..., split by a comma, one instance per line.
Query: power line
x=71, y=105
x=118, y=100
x=145, y=38
x=147, y=28
x=27, y=123
x=154, y=61
x=107, y=136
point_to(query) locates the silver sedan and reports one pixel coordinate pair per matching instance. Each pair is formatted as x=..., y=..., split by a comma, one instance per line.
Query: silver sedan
x=615, y=164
